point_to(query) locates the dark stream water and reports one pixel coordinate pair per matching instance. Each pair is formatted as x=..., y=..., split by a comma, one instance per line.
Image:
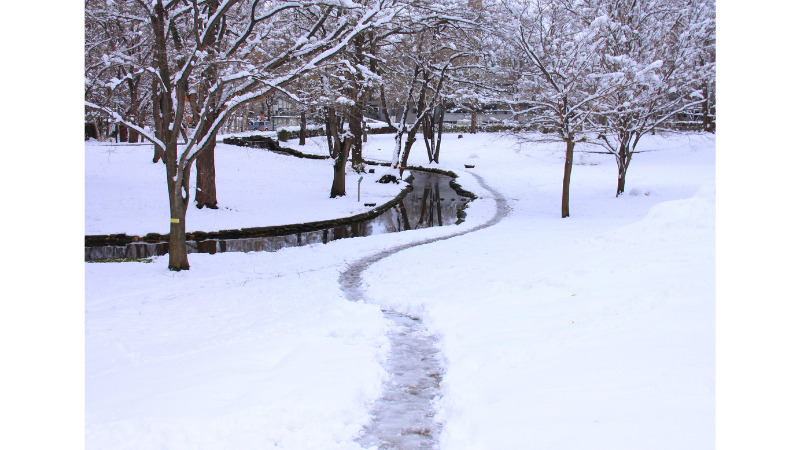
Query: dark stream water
x=432, y=202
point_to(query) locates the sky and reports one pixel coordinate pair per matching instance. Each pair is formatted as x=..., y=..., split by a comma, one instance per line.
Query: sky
x=757, y=229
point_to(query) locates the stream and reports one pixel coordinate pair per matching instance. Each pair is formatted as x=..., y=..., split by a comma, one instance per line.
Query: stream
x=432, y=202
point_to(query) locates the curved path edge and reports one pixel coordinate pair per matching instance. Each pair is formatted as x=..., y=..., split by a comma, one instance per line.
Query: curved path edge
x=404, y=415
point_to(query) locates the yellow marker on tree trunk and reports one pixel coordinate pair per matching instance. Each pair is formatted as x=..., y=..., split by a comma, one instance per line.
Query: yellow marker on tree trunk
x=175, y=220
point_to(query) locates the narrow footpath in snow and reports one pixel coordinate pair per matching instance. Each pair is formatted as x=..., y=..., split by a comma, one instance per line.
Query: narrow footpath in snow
x=404, y=416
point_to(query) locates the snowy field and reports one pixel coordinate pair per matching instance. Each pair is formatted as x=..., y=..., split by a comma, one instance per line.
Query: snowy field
x=596, y=331
x=127, y=193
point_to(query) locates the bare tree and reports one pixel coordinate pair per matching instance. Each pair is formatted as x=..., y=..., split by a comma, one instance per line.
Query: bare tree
x=303, y=35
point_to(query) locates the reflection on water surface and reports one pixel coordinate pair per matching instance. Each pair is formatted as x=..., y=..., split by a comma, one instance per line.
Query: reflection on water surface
x=431, y=203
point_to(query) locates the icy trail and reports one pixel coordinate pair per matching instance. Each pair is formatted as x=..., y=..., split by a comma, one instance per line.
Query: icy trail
x=404, y=415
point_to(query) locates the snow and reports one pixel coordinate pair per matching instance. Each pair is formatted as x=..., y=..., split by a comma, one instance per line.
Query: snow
x=126, y=192
x=595, y=331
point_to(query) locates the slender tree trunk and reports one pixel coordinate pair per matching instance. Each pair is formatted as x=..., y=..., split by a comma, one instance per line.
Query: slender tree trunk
x=623, y=161
x=473, y=125
x=206, y=191
x=708, y=110
x=178, y=201
x=355, y=119
x=102, y=129
x=567, y=174
x=398, y=138
x=158, y=153
x=398, y=144
x=385, y=110
x=364, y=132
x=330, y=128
x=427, y=135
x=412, y=137
x=621, y=180
x=412, y=133
x=303, y=128
x=439, y=137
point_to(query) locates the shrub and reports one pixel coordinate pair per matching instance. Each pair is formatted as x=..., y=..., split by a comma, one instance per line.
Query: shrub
x=283, y=135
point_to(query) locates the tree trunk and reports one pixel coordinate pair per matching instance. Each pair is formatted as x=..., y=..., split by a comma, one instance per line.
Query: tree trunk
x=623, y=161
x=567, y=174
x=412, y=137
x=385, y=110
x=621, y=181
x=412, y=133
x=330, y=128
x=158, y=153
x=398, y=143
x=439, y=137
x=427, y=135
x=178, y=201
x=340, y=168
x=708, y=110
x=364, y=131
x=178, y=254
x=134, y=137
x=123, y=133
x=206, y=191
x=398, y=138
x=340, y=151
x=421, y=116
x=303, y=128
x=355, y=119
x=473, y=125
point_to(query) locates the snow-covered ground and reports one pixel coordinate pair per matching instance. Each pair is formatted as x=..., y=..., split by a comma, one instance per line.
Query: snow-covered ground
x=127, y=193
x=595, y=331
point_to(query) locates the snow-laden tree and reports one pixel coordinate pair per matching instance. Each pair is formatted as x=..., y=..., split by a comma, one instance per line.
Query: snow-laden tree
x=698, y=37
x=658, y=46
x=342, y=128
x=558, y=76
x=425, y=81
x=340, y=92
x=413, y=49
x=252, y=46
x=479, y=83
x=433, y=52
x=108, y=33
